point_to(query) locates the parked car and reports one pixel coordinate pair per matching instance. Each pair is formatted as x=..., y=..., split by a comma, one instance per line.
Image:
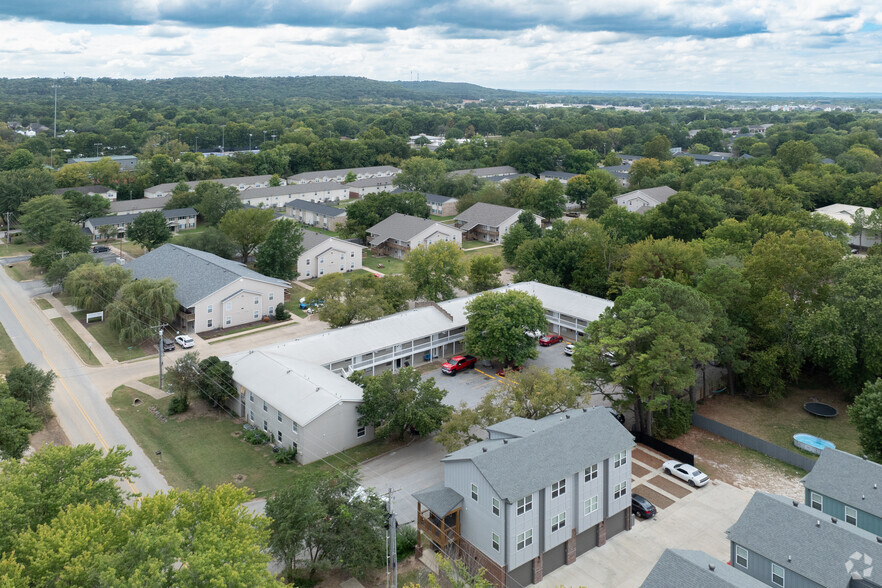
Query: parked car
x=690, y=474
x=570, y=348
x=100, y=249
x=549, y=340
x=168, y=344
x=184, y=341
x=458, y=363
x=642, y=507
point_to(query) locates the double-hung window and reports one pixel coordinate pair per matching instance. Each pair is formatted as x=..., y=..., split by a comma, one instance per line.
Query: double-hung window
x=525, y=539
x=559, y=488
x=525, y=504
x=741, y=556
x=558, y=522
x=591, y=473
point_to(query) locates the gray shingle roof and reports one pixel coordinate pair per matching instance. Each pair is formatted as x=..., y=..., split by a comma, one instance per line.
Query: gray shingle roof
x=507, y=177
x=438, y=498
x=127, y=218
x=289, y=190
x=168, y=187
x=682, y=568
x=398, y=226
x=316, y=207
x=483, y=213
x=660, y=194
x=818, y=548
x=139, y=204
x=311, y=239
x=93, y=189
x=437, y=198
x=551, y=453
x=557, y=175
x=369, y=182
x=485, y=172
x=834, y=466
x=197, y=273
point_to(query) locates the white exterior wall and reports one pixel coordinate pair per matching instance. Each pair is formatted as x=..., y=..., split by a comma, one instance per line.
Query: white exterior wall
x=477, y=520
x=588, y=490
x=315, y=219
x=325, y=259
x=242, y=305
x=616, y=476
x=519, y=524
x=634, y=203
x=332, y=432
x=505, y=226
x=437, y=233
x=319, y=194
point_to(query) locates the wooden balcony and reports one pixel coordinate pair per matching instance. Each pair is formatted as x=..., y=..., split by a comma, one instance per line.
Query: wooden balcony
x=441, y=532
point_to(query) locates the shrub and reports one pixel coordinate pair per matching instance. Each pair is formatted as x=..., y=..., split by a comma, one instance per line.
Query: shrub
x=256, y=437
x=282, y=313
x=180, y=403
x=286, y=456
x=679, y=421
x=18, y=240
x=405, y=541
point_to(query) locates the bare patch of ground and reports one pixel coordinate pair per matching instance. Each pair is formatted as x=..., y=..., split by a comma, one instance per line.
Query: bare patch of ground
x=644, y=458
x=669, y=486
x=638, y=471
x=656, y=498
x=51, y=433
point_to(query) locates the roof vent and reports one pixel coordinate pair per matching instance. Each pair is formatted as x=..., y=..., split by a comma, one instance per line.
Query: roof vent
x=711, y=567
x=584, y=410
x=818, y=524
x=789, y=558
x=874, y=486
x=863, y=497
x=833, y=520
x=795, y=503
x=568, y=416
x=878, y=539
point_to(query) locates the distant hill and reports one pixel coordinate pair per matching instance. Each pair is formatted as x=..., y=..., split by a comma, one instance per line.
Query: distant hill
x=229, y=91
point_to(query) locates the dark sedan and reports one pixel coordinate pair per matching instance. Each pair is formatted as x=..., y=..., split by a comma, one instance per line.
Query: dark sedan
x=642, y=507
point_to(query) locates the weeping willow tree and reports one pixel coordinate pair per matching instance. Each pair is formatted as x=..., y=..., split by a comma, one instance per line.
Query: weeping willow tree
x=140, y=307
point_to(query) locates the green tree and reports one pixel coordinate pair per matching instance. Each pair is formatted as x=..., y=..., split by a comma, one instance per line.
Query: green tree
x=60, y=269
x=215, y=201
x=761, y=149
x=32, y=386
x=685, y=216
x=513, y=239
x=211, y=240
x=278, y=254
x=94, y=286
x=623, y=226
x=19, y=159
x=550, y=200
x=394, y=403
x=217, y=380
x=859, y=225
x=483, y=273
x=86, y=206
x=669, y=258
x=659, y=147
x=247, y=228
x=140, y=306
x=16, y=425
x=183, y=376
x=40, y=215
x=436, y=270
x=373, y=208
x=344, y=300
x=866, y=416
x=20, y=185
x=149, y=229
x=420, y=174
x=792, y=155
x=502, y=326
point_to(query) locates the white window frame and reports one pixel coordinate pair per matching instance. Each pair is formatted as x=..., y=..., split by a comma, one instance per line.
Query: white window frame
x=256, y=300
x=272, y=295
x=621, y=459
x=559, y=488
x=525, y=539
x=279, y=435
x=361, y=431
x=256, y=314
x=741, y=553
x=208, y=323
x=620, y=490
x=494, y=540
x=209, y=309
x=591, y=473
x=777, y=571
x=265, y=428
x=475, y=492
x=494, y=505
x=228, y=320
x=251, y=416
x=525, y=504
x=590, y=505
x=279, y=415
x=851, y=513
x=264, y=406
x=294, y=426
x=228, y=306
x=250, y=396
x=816, y=498
x=558, y=522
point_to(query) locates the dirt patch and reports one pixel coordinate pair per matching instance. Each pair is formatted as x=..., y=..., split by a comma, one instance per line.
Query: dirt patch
x=656, y=498
x=239, y=478
x=669, y=486
x=638, y=471
x=199, y=409
x=51, y=433
x=644, y=458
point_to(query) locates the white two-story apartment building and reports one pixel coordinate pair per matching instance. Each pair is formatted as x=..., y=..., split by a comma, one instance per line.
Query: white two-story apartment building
x=401, y=233
x=324, y=255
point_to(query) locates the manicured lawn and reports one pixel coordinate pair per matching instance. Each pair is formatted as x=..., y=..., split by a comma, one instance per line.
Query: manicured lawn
x=472, y=244
x=109, y=340
x=75, y=341
x=177, y=237
x=390, y=264
x=345, y=203
x=132, y=249
x=495, y=251
x=65, y=298
x=43, y=303
x=13, y=250
x=201, y=447
x=23, y=271
x=320, y=230
x=9, y=355
x=435, y=217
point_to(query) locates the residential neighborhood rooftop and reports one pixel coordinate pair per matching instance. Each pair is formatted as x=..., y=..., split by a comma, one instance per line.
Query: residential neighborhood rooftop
x=864, y=480
x=683, y=568
x=316, y=207
x=127, y=218
x=483, y=213
x=402, y=227
x=484, y=172
x=139, y=204
x=91, y=189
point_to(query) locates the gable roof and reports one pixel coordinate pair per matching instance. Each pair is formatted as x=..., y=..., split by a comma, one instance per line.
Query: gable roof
x=561, y=445
x=342, y=173
x=557, y=175
x=863, y=489
x=843, y=212
x=98, y=221
x=92, y=189
x=438, y=498
x=370, y=182
x=288, y=190
x=485, y=172
x=197, y=274
x=483, y=213
x=169, y=186
x=659, y=194
x=802, y=539
x=316, y=207
x=402, y=227
x=438, y=198
x=683, y=567
x=139, y=204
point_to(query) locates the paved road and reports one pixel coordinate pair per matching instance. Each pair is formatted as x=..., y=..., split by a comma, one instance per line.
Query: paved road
x=80, y=406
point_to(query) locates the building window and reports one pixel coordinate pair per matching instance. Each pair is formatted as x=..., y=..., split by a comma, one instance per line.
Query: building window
x=851, y=515
x=250, y=396
x=494, y=503
x=264, y=406
x=559, y=488
x=279, y=434
x=591, y=473
x=210, y=308
x=620, y=459
x=322, y=271
x=360, y=432
x=321, y=260
x=256, y=300
x=558, y=522
x=620, y=490
x=777, y=575
x=525, y=504
x=279, y=415
x=494, y=540
x=264, y=425
x=590, y=505
x=227, y=320
x=307, y=273
x=272, y=295
x=817, y=501
x=474, y=493
x=208, y=323
x=352, y=254
x=293, y=426
x=256, y=314
x=307, y=262
x=525, y=539
x=228, y=306
x=741, y=556
x=251, y=415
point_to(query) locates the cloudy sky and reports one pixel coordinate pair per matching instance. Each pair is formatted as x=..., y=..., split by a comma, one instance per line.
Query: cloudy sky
x=631, y=45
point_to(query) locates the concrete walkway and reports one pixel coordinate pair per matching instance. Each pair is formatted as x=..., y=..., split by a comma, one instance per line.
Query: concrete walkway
x=142, y=387
x=60, y=310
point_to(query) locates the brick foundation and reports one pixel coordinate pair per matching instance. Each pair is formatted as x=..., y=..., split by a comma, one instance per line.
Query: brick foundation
x=537, y=569
x=601, y=533
x=571, y=548
x=475, y=559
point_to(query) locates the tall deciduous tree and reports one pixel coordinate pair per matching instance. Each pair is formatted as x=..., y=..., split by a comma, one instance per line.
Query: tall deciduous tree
x=20, y=185
x=215, y=201
x=141, y=306
x=866, y=415
x=420, y=174
x=32, y=386
x=94, y=286
x=149, y=229
x=670, y=258
x=344, y=300
x=247, y=228
x=60, y=269
x=16, y=425
x=278, y=254
x=550, y=200
x=483, y=273
x=217, y=380
x=394, y=403
x=435, y=271
x=502, y=326
x=39, y=216
x=86, y=206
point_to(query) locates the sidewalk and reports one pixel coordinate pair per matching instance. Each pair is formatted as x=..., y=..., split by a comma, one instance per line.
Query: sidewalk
x=58, y=309
x=142, y=387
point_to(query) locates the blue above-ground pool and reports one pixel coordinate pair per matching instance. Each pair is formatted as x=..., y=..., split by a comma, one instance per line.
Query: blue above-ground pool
x=811, y=443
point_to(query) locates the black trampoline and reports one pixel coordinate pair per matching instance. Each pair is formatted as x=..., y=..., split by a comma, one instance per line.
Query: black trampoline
x=820, y=409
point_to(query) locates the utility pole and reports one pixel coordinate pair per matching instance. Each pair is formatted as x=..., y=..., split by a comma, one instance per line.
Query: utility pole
x=249, y=141
x=223, y=137
x=391, y=545
x=161, y=351
x=97, y=145
x=197, y=143
x=8, y=229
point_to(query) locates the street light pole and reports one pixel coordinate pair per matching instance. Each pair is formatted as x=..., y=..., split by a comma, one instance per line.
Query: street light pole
x=223, y=136
x=97, y=145
x=249, y=141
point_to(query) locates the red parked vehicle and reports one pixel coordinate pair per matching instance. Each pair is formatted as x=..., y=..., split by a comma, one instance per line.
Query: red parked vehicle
x=458, y=363
x=549, y=340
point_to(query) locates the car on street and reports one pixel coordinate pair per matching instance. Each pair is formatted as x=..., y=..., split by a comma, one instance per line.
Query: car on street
x=458, y=363
x=550, y=339
x=689, y=474
x=570, y=348
x=100, y=249
x=184, y=341
x=641, y=507
x=168, y=344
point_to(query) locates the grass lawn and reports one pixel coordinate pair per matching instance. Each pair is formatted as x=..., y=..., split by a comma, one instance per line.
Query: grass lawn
x=203, y=447
x=43, y=303
x=65, y=298
x=779, y=421
x=435, y=217
x=75, y=341
x=473, y=244
x=390, y=264
x=246, y=330
x=132, y=249
x=13, y=250
x=295, y=293
x=320, y=231
x=110, y=342
x=9, y=355
x=495, y=251
x=345, y=203
x=23, y=271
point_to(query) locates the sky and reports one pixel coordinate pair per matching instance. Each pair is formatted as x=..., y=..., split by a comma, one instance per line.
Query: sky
x=596, y=45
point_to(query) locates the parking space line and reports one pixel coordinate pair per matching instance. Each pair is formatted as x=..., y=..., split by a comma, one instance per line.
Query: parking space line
x=486, y=374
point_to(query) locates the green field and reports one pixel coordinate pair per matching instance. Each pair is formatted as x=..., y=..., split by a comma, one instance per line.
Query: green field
x=110, y=342
x=473, y=244
x=495, y=251
x=75, y=341
x=390, y=264
x=23, y=271
x=13, y=250
x=9, y=355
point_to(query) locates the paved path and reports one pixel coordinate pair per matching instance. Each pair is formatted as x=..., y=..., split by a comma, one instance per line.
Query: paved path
x=150, y=390
x=62, y=311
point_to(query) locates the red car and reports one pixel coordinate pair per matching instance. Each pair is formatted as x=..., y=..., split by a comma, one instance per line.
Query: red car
x=549, y=340
x=458, y=364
